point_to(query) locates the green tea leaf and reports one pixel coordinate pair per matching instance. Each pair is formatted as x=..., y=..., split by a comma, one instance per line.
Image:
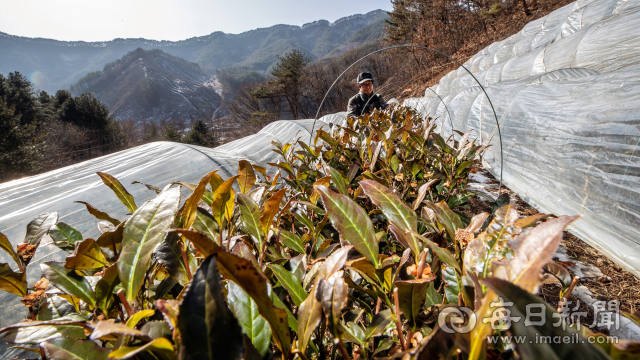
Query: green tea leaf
x=12, y=282
x=134, y=319
x=160, y=348
x=338, y=180
x=169, y=255
x=187, y=212
x=54, y=308
x=206, y=224
x=35, y=332
x=289, y=282
x=395, y=210
x=452, y=286
x=292, y=241
x=246, y=311
x=250, y=215
x=309, y=317
x=412, y=295
x=87, y=255
x=6, y=246
x=247, y=176
x=64, y=232
x=378, y=323
x=123, y=195
x=353, y=332
x=433, y=297
x=39, y=227
x=450, y=220
x=105, y=288
x=443, y=254
x=144, y=230
x=352, y=222
x=207, y=327
x=156, y=329
x=201, y=242
x=100, y=215
x=65, y=348
x=68, y=281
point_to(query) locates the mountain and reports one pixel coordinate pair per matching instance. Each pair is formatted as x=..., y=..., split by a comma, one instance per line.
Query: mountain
x=152, y=85
x=52, y=64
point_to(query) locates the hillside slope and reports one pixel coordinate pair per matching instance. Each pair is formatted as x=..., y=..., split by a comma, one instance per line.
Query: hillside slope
x=152, y=85
x=53, y=64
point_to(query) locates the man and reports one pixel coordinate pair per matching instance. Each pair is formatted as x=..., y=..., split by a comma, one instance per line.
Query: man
x=365, y=101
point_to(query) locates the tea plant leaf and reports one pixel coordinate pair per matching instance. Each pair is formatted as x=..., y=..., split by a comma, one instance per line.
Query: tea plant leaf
x=412, y=295
x=35, y=332
x=68, y=281
x=443, y=254
x=325, y=181
x=271, y=207
x=378, y=323
x=187, y=213
x=531, y=220
x=156, y=329
x=292, y=241
x=106, y=329
x=291, y=319
x=201, y=242
x=64, y=232
x=208, y=328
x=242, y=272
x=206, y=224
x=12, y=282
x=250, y=215
x=223, y=200
x=433, y=297
x=39, y=227
x=65, y=348
x=111, y=239
x=332, y=293
x=395, y=210
x=561, y=273
x=160, y=348
x=5, y=245
x=289, y=282
x=422, y=192
x=153, y=188
x=241, y=249
x=54, y=308
x=247, y=176
x=123, y=195
x=100, y=215
x=135, y=318
x=246, y=311
x=450, y=220
x=352, y=332
x=338, y=180
x=522, y=300
x=169, y=255
x=309, y=317
x=452, y=285
x=87, y=255
x=352, y=222
x=105, y=288
x=476, y=222
x=144, y=230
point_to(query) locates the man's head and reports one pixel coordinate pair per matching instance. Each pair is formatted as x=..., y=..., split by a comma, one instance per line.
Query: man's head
x=365, y=83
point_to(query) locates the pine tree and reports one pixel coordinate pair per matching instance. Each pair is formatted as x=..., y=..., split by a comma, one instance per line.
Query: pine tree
x=201, y=135
x=20, y=146
x=171, y=133
x=288, y=76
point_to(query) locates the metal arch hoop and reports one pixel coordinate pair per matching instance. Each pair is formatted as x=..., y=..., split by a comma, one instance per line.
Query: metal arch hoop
x=421, y=101
x=425, y=48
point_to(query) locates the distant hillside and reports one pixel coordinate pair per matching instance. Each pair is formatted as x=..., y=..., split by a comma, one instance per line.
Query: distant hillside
x=152, y=85
x=53, y=64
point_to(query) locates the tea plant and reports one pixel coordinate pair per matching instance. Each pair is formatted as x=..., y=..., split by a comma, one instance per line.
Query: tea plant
x=352, y=250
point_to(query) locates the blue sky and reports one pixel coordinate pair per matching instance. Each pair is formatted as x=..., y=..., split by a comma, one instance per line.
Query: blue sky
x=101, y=20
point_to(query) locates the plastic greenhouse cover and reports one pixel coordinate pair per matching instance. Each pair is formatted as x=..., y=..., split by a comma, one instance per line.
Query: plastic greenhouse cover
x=566, y=90
x=156, y=163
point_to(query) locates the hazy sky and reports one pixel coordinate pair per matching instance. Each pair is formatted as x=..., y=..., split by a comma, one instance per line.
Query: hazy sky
x=99, y=20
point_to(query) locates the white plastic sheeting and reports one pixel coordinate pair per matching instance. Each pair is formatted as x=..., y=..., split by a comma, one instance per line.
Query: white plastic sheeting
x=156, y=163
x=566, y=90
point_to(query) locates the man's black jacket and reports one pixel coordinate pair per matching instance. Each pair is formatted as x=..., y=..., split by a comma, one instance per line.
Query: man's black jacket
x=357, y=104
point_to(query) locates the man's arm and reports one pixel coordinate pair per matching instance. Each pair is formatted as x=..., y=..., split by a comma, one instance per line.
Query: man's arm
x=352, y=108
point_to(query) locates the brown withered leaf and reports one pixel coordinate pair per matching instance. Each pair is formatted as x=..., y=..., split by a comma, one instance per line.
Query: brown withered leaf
x=26, y=252
x=87, y=255
x=111, y=239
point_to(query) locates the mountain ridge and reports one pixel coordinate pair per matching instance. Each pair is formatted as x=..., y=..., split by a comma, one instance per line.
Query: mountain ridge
x=55, y=64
